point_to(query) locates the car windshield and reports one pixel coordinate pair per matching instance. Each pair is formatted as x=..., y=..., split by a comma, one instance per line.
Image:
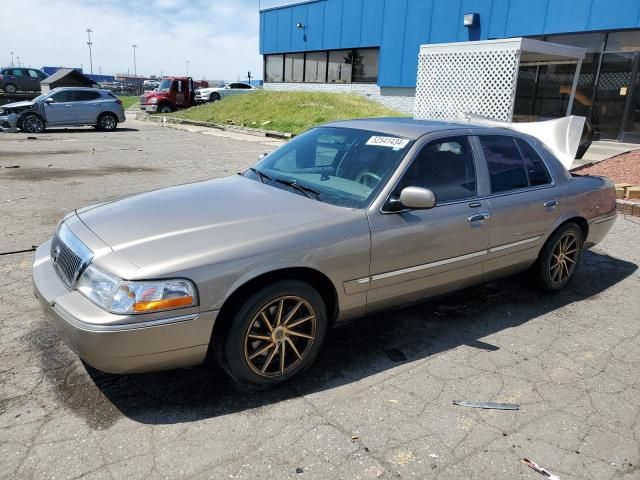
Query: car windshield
x=341, y=166
x=41, y=97
x=165, y=85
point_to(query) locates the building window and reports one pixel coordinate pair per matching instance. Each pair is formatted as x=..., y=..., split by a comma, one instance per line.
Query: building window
x=365, y=65
x=274, y=67
x=339, y=69
x=623, y=41
x=294, y=67
x=315, y=69
x=335, y=66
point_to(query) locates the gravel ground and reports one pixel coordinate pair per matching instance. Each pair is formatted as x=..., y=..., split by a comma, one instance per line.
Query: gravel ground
x=378, y=401
x=623, y=168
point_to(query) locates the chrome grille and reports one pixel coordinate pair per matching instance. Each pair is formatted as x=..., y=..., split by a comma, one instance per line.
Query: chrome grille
x=69, y=256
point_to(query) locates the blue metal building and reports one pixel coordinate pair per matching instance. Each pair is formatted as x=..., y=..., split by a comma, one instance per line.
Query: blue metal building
x=374, y=44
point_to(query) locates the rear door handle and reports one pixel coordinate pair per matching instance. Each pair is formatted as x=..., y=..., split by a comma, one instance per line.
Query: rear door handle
x=551, y=203
x=478, y=217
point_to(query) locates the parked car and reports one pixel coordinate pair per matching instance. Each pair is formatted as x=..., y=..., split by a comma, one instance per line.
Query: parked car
x=344, y=220
x=214, y=94
x=173, y=93
x=14, y=79
x=64, y=107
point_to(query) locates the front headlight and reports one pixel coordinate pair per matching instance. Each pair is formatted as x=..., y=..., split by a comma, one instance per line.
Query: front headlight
x=125, y=297
x=153, y=100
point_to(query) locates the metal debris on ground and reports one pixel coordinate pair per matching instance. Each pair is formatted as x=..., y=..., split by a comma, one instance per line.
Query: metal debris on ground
x=487, y=405
x=542, y=471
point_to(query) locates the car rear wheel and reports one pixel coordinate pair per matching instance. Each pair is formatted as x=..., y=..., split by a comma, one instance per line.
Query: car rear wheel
x=275, y=334
x=107, y=122
x=165, y=108
x=559, y=258
x=214, y=97
x=32, y=123
x=10, y=88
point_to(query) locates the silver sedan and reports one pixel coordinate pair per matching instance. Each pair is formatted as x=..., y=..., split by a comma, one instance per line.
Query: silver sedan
x=342, y=221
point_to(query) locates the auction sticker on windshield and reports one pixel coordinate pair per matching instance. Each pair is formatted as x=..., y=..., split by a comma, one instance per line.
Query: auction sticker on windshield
x=391, y=142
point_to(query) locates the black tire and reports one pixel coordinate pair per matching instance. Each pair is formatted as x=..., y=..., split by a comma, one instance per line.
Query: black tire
x=165, y=108
x=10, y=88
x=559, y=258
x=32, y=123
x=239, y=353
x=214, y=97
x=107, y=122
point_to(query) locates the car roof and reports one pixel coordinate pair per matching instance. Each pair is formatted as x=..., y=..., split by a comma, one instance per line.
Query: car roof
x=90, y=89
x=403, y=126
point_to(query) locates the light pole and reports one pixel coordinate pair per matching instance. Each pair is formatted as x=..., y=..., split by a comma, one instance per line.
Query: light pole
x=135, y=67
x=18, y=58
x=11, y=53
x=187, y=68
x=88, y=30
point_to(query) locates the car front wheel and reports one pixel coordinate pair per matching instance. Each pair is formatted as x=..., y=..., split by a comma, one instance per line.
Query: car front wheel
x=559, y=258
x=10, y=88
x=275, y=334
x=107, y=122
x=214, y=97
x=32, y=123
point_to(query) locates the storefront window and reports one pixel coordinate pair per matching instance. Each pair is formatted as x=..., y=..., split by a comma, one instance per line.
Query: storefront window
x=365, y=66
x=294, y=67
x=315, y=70
x=624, y=41
x=273, y=68
x=340, y=66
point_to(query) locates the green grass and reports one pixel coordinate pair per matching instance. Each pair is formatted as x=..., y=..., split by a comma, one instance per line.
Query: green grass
x=128, y=100
x=289, y=112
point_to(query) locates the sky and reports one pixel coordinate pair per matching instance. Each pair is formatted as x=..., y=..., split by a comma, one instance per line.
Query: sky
x=219, y=38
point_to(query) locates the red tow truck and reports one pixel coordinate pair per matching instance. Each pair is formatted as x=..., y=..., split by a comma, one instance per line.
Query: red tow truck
x=172, y=94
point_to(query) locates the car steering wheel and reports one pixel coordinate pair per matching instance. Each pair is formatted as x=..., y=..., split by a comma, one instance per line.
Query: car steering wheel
x=368, y=175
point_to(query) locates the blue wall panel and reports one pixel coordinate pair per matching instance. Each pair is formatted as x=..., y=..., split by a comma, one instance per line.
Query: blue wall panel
x=565, y=16
x=351, y=21
x=315, y=26
x=332, y=23
x=371, y=22
x=283, y=35
x=399, y=27
x=395, y=16
x=416, y=32
x=298, y=35
x=607, y=14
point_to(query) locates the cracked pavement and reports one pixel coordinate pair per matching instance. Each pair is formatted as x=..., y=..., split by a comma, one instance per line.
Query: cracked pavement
x=378, y=401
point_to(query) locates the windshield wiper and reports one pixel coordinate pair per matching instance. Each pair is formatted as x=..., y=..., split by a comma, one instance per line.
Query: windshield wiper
x=261, y=175
x=306, y=191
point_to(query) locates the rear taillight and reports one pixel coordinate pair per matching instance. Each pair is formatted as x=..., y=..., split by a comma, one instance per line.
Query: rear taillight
x=1, y=77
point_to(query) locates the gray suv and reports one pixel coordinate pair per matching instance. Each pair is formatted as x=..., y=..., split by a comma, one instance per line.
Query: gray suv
x=13, y=79
x=64, y=106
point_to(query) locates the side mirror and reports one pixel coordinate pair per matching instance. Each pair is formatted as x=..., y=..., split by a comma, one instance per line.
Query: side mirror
x=49, y=100
x=262, y=155
x=417, y=198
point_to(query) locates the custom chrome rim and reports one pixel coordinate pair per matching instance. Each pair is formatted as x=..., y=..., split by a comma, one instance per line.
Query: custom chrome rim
x=564, y=258
x=33, y=124
x=280, y=336
x=108, y=122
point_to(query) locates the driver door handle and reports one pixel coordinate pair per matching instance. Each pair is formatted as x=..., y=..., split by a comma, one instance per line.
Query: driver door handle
x=551, y=203
x=478, y=217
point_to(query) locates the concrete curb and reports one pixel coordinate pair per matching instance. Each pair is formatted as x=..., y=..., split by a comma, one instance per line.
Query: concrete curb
x=228, y=128
x=627, y=207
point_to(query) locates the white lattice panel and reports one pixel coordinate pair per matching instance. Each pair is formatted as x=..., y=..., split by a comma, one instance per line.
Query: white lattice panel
x=480, y=81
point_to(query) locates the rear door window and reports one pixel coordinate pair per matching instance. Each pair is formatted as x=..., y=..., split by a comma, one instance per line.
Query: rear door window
x=506, y=166
x=536, y=169
x=85, y=96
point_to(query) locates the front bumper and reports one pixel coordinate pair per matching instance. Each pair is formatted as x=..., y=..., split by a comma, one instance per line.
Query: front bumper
x=105, y=343
x=148, y=107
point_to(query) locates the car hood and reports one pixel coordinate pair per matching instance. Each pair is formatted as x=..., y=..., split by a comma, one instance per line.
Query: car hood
x=181, y=227
x=19, y=105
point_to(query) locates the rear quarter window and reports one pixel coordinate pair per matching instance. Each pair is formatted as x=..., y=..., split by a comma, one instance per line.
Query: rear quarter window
x=536, y=169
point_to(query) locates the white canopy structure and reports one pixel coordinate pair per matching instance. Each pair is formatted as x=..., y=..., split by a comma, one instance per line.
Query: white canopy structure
x=481, y=77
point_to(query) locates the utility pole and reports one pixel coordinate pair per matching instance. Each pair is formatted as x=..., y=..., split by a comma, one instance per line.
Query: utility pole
x=88, y=30
x=187, y=68
x=18, y=57
x=135, y=67
x=11, y=53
